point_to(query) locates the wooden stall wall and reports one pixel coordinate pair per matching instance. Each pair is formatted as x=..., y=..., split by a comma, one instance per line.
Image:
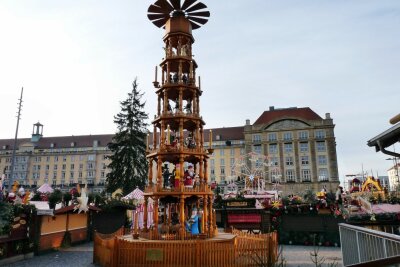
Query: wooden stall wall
x=52, y=231
x=77, y=226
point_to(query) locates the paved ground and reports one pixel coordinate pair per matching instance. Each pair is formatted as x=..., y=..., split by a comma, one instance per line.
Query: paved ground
x=81, y=255
x=299, y=256
x=77, y=256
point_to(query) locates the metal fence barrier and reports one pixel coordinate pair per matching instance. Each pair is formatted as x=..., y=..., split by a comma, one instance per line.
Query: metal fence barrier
x=363, y=247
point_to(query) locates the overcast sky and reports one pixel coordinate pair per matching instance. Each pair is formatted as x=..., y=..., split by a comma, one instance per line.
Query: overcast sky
x=76, y=61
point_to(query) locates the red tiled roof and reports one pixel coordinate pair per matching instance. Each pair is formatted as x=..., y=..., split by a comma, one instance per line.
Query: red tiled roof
x=293, y=113
x=229, y=133
x=72, y=207
x=61, y=141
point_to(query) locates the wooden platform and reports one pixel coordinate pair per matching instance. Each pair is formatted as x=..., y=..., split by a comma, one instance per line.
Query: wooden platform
x=237, y=250
x=221, y=237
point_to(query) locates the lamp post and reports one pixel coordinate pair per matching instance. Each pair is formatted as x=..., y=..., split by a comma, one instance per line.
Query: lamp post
x=394, y=159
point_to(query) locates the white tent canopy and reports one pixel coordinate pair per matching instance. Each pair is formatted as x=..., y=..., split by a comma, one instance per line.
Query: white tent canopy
x=137, y=194
x=45, y=188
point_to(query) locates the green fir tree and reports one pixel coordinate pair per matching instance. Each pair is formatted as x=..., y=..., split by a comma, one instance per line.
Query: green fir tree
x=128, y=160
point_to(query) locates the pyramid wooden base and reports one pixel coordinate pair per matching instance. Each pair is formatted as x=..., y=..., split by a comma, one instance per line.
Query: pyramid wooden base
x=236, y=249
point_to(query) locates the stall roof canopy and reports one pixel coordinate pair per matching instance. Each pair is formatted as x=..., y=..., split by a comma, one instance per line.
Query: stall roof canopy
x=386, y=139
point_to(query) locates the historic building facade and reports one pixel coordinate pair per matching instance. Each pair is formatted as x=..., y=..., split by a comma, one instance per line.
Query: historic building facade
x=298, y=144
x=59, y=161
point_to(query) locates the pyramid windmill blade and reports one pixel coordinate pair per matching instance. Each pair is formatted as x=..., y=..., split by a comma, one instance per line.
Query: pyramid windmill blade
x=188, y=3
x=196, y=7
x=155, y=9
x=198, y=20
x=165, y=6
x=161, y=22
x=194, y=25
x=200, y=14
x=176, y=4
x=155, y=16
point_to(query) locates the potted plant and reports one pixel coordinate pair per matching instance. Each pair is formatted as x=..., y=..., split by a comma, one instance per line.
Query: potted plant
x=54, y=198
x=67, y=198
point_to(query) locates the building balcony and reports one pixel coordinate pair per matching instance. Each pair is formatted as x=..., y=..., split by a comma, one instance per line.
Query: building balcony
x=178, y=149
x=202, y=188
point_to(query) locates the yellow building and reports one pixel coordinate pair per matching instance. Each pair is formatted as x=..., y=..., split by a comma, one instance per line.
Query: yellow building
x=298, y=145
x=59, y=161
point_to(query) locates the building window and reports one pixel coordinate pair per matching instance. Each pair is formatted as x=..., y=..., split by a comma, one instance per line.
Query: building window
x=64, y=166
x=304, y=160
x=80, y=174
x=273, y=148
x=71, y=175
x=72, y=166
x=232, y=152
x=54, y=183
x=90, y=166
x=257, y=149
x=222, y=162
x=81, y=157
x=321, y=159
x=222, y=171
x=102, y=174
x=303, y=135
x=80, y=166
x=242, y=151
x=55, y=158
x=273, y=161
x=275, y=176
x=64, y=158
x=304, y=147
x=54, y=175
x=290, y=176
x=287, y=136
x=91, y=157
x=321, y=146
x=212, y=171
x=55, y=167
x=288, y=147
x=103, y=166
x=289, y=161
x=221, y=152
x=256, y=138
x=306, y=175
x=272, y=137
x=212, y=162
x=47, y=159
x=72, y=158
x=323, y=175
x=90, y=174
x=63, y=175
x=320, y=134
x=232, y=162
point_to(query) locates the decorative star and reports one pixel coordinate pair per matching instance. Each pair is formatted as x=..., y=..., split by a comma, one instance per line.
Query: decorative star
x=276, y=204
x=82, y=202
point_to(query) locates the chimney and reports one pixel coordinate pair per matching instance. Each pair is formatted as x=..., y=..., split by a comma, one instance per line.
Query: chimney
x=271, y=108
x=328, y=116
x=247, y=122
